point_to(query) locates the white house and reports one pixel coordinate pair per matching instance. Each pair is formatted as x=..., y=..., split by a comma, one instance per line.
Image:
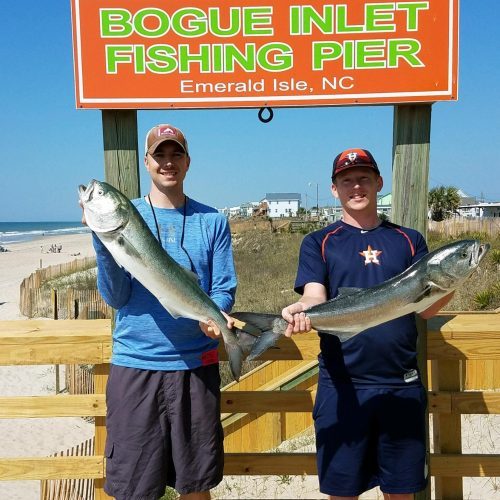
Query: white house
x=470, y=207
x=282, y=204
x=234, y=212
x=247, y=208
x=480, y=210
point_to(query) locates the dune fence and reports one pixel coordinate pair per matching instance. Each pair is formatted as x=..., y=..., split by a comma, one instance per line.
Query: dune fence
x=457, y=226
x=37, y=300
x=70, y=489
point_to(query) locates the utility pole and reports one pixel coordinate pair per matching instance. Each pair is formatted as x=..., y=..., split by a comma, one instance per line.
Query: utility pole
x=317, y=200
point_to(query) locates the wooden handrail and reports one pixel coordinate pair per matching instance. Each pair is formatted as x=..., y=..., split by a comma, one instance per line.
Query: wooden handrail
x=459, y=403
x=447, y=465
x=451, y=338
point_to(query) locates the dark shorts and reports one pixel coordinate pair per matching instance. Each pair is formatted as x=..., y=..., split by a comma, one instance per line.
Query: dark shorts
x=370, y=437
x=163, y=428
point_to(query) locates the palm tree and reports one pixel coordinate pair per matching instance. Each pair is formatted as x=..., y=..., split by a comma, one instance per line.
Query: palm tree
x=443, y=202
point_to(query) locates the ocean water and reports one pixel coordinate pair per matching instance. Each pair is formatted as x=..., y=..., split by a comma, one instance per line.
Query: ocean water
x=15, y=232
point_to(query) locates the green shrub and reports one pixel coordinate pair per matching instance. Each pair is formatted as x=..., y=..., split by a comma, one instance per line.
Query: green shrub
x=170, y=494
x=495, y=256
x=483, y=299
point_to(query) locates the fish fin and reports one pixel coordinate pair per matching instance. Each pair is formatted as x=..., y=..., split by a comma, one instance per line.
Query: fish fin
x=263, y=343
x=424, y=294
x=344, y=336
x=235, y=357
x=348, y=290
x=246, y=340
x=255, y=323
x=259, y=332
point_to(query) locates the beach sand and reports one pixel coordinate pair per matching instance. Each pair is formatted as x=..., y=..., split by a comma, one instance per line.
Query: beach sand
x=37, y=436
x=43, y=437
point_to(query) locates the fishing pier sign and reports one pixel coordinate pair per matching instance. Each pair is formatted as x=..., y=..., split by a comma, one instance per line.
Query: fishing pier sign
x=147, y=54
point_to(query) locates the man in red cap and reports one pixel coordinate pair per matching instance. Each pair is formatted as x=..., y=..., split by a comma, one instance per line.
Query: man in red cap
x=370, y=406
x=163, y=396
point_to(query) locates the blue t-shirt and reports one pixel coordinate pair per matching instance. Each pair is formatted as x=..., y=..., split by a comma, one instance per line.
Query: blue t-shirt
x=146, y=336
x=341, y=255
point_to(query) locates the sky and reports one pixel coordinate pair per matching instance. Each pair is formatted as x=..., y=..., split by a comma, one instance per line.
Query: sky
x=48, y=147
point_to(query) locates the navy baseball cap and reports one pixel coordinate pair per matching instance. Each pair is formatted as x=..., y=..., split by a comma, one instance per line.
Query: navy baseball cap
x=354, y=158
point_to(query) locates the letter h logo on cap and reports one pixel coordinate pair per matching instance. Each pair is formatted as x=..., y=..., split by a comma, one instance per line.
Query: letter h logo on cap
x=353, y=158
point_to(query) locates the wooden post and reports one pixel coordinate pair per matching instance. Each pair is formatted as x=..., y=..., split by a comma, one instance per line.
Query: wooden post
x=410, y=187
x=120, y=150
x=410, y=167
x=101, y=373
x=121, y=171
x=448, y=427
x=58, y=379
x=53, y=300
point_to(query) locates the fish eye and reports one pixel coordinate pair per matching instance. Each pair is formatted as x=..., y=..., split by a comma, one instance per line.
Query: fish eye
x=464, y=255
x=100, y=192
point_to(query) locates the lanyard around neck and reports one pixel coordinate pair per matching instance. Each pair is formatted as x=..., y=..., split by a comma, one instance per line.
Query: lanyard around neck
x=186, y=199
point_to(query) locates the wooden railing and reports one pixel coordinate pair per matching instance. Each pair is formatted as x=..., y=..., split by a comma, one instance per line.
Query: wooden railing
x=452, y=340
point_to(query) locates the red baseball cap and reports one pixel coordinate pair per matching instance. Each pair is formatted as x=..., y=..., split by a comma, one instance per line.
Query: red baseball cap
x=354, y=158
x=162, y=133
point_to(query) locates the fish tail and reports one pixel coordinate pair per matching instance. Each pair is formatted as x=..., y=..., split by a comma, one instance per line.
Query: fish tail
x=235, y=357
x=258, y=332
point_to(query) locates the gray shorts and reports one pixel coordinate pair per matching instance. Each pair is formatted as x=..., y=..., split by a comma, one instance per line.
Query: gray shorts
x=163, y=428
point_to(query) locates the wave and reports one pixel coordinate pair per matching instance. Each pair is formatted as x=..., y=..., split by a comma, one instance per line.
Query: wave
x=30, y=231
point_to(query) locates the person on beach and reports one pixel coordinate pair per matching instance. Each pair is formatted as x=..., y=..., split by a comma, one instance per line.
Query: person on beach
x=369, y=413
x=163, y=393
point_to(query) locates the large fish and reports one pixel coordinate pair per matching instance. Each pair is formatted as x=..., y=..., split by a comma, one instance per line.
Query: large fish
x=122, y=230
x=354, y=310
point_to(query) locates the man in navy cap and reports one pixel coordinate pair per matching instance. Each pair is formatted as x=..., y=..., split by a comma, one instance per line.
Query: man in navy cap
x=370, y=406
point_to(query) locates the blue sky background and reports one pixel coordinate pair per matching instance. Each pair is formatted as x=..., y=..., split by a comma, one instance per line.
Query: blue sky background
x=48, y=147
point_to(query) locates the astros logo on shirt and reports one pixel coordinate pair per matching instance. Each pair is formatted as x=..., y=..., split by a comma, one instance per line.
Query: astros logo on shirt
x=370, y=255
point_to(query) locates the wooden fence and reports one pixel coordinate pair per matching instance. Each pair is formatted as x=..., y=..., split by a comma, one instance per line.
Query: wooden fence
x=461, y=225
x=452, y=340
x=70, y=489
x=67, y=303
x=79, y=379
x=40, y=276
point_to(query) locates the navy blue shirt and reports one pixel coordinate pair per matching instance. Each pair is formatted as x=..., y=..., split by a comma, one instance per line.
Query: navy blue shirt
x=341, y=255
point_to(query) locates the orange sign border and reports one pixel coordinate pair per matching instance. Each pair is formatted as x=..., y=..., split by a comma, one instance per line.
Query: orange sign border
x=85, y=100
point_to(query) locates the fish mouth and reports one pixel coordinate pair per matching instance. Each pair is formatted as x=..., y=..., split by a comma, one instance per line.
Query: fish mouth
x=85, y=192
x=481, y=251
x=478, y=253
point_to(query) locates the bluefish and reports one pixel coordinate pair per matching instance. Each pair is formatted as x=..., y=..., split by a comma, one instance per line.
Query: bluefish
x=122, y=230
x=354, y=310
